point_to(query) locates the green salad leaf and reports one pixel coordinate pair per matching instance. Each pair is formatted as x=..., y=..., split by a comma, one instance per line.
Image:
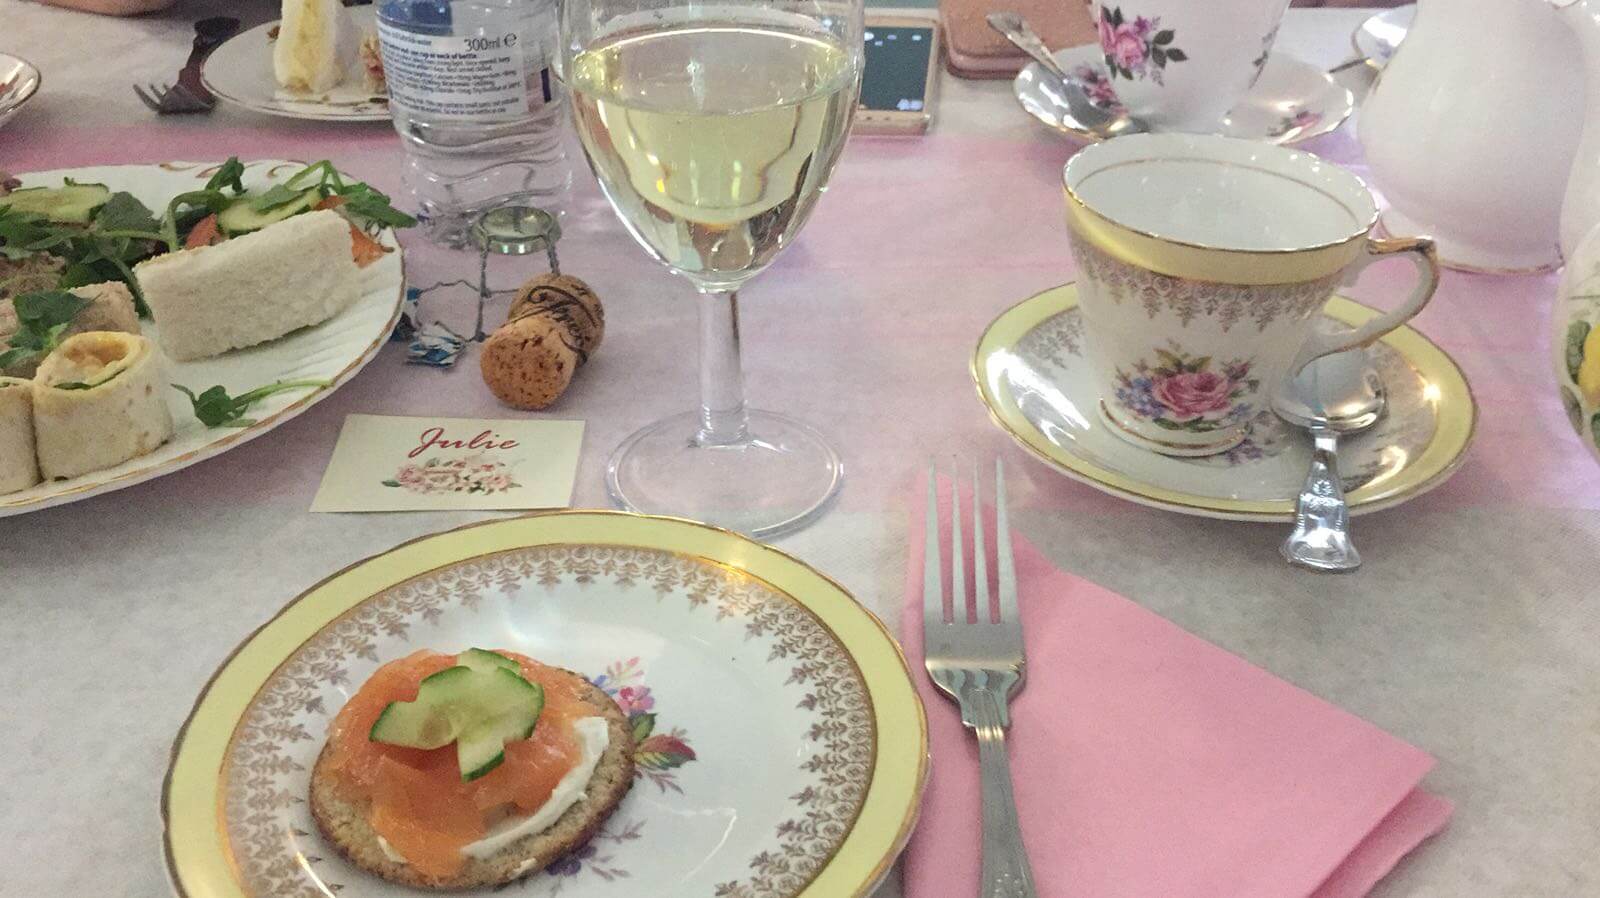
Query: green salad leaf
x=123, y=212
x=230, y=176
x=215, y=408
x=367, y=204
x=41, y=319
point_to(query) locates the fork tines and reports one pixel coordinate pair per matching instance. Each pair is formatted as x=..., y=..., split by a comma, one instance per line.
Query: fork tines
x=942, y=612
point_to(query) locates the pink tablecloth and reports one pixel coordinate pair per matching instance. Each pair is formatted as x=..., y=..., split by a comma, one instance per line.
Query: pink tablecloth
x=1470, y=632
x=917, y=246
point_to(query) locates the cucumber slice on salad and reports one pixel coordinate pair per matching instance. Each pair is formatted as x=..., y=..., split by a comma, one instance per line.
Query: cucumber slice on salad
x=241, y=217
x=477, y=708
x=72, y=204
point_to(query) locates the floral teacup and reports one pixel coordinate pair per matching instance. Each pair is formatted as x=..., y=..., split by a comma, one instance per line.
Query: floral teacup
x=1203, y=261
x=1180, y=65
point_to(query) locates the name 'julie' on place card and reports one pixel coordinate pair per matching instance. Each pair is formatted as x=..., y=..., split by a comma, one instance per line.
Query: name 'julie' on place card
x=384, y=463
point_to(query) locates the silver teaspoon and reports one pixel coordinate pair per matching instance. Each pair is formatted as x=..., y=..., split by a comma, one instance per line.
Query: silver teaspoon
x=1334, y=396
x=1102, y=123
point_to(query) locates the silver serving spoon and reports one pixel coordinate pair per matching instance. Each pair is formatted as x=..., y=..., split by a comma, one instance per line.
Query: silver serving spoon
x=1333, y=396
x=1102, y=123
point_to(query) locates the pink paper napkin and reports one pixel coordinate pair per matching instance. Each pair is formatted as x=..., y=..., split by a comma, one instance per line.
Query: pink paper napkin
x=1151, y=764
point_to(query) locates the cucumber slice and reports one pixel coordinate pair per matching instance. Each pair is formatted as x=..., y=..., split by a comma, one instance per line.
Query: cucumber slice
x=74, y=203
x=483, y=747
x=241, y=217
x=432, y=721
x=478, y=709
x=485, y=660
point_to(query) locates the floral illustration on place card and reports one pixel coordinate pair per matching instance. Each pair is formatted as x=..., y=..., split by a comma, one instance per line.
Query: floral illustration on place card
x=471, y=474
x=1136, y=50
x=386, y=463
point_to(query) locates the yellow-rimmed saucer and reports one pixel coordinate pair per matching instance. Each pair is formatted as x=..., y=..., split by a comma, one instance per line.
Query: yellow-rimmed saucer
x=1031, y=375
x=791, y=746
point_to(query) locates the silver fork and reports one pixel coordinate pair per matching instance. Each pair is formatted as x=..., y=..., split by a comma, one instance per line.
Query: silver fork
x=980, y=665
x=174, y=100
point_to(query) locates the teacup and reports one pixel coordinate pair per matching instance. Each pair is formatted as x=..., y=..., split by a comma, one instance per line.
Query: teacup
x=1203, y=262
x=1180, y=65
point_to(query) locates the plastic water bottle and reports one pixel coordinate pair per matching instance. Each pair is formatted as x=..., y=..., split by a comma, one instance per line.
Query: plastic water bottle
x=474, y=96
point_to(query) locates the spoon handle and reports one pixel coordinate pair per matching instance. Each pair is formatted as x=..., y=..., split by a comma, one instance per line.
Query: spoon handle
x=1017, y=30
x=1321, y=537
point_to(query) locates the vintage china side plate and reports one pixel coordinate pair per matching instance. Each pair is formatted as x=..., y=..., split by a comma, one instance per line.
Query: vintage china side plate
x=1032, y=375
x=19, y=81
x=782, y=746
x=240, y=72
x=334, y=350
x=1576, y=341
x=1292, y=101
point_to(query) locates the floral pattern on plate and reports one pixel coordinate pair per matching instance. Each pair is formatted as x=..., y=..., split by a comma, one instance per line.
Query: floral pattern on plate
x=1183, y=392
x=656, y=756
x=1139, y=49
x=1577, y=321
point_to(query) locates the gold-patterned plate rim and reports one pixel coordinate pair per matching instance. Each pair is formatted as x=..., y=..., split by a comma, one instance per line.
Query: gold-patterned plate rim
x=1457, y=410
x=194, y=838
x=238, y=436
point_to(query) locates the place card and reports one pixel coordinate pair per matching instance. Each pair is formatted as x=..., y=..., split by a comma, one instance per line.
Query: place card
x=384, y=463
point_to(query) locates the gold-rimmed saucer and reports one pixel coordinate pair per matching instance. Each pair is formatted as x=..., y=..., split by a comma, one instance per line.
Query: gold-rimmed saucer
x=1033, y=377
x=782, y=747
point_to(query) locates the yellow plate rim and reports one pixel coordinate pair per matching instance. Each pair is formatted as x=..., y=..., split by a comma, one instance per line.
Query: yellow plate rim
x=1456, y=427
x=194, y=843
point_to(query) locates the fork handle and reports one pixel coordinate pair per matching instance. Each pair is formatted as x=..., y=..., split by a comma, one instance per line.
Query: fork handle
x=1006, y=873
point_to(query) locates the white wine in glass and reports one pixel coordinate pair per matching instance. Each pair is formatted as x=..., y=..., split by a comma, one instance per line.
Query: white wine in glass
x=712, y=130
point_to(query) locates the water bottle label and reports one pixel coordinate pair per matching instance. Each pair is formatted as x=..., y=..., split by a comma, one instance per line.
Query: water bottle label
x=493, y=75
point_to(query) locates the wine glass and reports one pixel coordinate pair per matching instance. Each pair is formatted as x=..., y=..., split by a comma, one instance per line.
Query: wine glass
x=713, y=129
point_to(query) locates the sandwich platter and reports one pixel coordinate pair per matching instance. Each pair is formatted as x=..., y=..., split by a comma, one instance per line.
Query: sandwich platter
x=780, y=746
x=332, y=351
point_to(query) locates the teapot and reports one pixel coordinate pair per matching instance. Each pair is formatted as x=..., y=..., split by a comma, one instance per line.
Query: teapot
x=1580, y=211
x=1472, y=127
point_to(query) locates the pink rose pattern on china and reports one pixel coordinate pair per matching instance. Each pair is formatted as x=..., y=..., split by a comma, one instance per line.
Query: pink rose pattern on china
x=469, y=474
x=1182, y=392
x=1136, y=50
x=1097, y=87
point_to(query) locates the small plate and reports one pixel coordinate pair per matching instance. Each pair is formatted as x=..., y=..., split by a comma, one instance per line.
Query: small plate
x=19, y=81
x=1292, y=101
x=1379, y=36
x=334, y=350
x=240, y=72
x=1576, y=319
x=782, y=746
x=1032, y=376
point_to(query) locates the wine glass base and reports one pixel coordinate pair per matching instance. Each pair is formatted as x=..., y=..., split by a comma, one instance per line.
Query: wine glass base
x=779, y=480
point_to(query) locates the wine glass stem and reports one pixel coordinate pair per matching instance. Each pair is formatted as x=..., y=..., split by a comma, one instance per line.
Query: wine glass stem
x=723, y=421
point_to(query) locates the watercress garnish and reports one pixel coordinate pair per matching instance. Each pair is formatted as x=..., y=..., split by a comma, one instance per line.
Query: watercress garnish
x=215, y=408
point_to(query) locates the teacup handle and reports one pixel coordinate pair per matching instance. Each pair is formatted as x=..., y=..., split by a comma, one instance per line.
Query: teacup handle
x=1422, y=253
